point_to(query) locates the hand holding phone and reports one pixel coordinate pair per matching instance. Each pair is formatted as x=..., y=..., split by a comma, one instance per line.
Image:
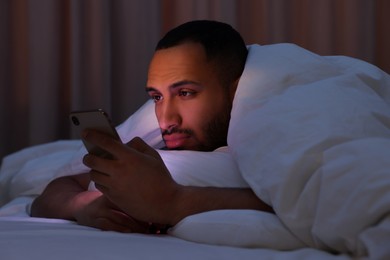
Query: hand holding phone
x=97, y=120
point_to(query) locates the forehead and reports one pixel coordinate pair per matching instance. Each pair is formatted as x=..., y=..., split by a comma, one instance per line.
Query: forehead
x=186, y=61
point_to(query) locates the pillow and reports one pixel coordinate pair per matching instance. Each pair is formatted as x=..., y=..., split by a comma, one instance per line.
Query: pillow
x=239, y=228
x=28, y=171
x=217, y=168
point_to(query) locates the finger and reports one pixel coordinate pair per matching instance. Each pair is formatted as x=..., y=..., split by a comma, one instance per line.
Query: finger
x=139, y=145
x=103, y=141
x=103, y=189
x=115, y=214
x=102, y=181
x=120, y=222
x=107, y=224
x=139, y=227
x=102, y=166
x=127, y=222
x=92, y=161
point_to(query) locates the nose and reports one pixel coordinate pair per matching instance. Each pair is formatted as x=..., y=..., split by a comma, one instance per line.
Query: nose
x=168, y=115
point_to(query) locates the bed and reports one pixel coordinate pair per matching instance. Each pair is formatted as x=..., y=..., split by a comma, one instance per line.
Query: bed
x=309, y=134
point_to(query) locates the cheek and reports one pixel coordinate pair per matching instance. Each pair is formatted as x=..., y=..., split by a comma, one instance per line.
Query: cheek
x=198, y=116
x=193, y=118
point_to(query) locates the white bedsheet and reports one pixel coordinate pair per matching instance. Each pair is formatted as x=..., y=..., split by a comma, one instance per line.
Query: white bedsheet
x=39, y=239
x=309, y=134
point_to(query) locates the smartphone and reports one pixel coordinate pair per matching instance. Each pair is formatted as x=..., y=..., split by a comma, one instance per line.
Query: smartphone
x=93, y=119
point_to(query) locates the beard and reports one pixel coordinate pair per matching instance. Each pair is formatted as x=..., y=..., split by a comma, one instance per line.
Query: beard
x=215, y=132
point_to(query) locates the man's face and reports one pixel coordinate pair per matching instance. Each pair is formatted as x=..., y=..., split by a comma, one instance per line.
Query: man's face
x=192, y=107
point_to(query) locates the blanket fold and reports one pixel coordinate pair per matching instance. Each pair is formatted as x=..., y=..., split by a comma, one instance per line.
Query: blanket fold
x=311, y=137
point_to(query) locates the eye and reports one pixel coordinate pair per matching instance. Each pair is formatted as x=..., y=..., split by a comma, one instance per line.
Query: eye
x=186, y=93
x=156, y=97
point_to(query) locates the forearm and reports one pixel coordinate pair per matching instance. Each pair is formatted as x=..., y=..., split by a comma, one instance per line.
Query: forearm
x=192, y=200
x=62, y=198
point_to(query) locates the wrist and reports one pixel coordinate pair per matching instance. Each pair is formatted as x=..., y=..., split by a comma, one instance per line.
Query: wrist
x=187, y=201
x=179, y=205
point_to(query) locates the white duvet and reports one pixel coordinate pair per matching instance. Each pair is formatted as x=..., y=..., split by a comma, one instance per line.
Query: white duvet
x=309, y=134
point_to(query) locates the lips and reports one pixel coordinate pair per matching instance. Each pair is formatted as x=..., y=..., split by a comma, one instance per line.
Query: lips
x=175, y=140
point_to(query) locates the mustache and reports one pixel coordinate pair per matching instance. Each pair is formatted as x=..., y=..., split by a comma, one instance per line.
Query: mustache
x=176, y=131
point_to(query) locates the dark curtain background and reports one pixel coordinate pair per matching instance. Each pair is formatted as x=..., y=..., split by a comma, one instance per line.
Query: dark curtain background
x=63, y=55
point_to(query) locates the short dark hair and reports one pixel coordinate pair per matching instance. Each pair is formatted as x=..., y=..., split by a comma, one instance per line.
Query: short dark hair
x=222, y=43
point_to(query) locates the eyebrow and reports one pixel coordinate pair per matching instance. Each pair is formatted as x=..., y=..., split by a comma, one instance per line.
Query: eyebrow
x=176, y=85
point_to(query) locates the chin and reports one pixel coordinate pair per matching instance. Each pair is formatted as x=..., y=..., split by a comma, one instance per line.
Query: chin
x=194, y=146
x=187, y=147
x=202, y=148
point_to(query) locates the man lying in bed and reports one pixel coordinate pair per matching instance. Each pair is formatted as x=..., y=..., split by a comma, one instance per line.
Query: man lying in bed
x=192, y=78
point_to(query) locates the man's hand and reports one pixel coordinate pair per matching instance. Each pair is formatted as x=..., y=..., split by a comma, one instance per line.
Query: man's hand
x=136, y=180
x=101, y=213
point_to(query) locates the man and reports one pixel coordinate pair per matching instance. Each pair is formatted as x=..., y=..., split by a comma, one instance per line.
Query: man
x=192, y=78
